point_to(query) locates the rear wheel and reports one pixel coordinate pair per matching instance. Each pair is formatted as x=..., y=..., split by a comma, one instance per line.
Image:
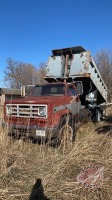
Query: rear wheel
x=98, y=115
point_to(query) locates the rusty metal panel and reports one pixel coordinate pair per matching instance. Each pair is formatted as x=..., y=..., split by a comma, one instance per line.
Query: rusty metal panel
x=80, y=63
x=55, y=66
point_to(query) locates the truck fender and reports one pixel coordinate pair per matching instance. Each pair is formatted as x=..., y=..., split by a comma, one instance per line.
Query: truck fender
x=58, y=115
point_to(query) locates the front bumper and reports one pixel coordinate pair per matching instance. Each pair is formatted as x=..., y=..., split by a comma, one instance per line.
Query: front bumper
x=33, y=131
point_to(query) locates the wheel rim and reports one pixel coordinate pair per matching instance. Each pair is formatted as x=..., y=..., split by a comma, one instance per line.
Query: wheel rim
x=99, y=116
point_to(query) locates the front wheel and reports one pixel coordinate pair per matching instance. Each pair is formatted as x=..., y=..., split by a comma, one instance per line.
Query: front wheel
x=66, y=135
x=67, y=131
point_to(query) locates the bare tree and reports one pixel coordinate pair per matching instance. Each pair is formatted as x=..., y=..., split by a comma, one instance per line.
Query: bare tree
x=19, y=73
x=103, y=60
x=41, y=73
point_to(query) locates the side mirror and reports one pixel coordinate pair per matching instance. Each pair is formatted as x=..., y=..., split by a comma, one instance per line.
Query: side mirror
x=25, y=90
x=79, y=86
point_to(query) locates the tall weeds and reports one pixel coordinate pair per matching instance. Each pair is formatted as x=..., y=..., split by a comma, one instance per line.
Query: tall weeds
x=22, y=162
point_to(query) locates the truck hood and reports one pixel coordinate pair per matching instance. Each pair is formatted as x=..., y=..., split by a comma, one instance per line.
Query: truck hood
x=55, y=100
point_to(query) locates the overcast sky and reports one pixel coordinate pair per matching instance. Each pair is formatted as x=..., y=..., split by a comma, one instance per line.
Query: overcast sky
x=30, y=29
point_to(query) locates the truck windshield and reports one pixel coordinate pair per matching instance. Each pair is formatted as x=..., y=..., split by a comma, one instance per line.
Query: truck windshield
x=48, y=90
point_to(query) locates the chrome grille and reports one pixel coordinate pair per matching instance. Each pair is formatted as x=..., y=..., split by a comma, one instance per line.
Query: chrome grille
x=26, y=110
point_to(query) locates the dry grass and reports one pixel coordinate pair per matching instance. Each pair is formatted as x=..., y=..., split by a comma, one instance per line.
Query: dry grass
x=22, y=162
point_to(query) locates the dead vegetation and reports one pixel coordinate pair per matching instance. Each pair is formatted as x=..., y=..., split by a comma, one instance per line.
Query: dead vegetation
x=22, y=162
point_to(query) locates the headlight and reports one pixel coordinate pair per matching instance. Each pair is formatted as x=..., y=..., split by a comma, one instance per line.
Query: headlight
x=9, y=110
x=42, y=111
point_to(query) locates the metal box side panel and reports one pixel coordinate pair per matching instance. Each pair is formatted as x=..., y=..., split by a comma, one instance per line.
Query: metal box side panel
x=55, y=66
x=83, y=65
x=80, y=64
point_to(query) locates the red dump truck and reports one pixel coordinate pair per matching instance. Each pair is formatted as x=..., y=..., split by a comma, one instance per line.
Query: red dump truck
x=74, y=93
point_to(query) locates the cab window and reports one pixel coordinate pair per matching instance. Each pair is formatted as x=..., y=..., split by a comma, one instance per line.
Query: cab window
x=71, y=91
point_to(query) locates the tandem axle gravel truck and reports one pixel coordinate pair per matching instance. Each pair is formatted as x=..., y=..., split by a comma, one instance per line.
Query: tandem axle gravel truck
x=74, y=93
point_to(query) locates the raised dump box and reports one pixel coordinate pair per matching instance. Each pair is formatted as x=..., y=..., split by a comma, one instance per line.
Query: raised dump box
x=77, y=64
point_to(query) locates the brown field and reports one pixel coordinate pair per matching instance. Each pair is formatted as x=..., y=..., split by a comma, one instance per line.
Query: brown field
x=22, y=162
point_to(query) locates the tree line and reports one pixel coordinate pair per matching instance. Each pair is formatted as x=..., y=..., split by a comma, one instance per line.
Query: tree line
x=17, y=74
x=103, y=59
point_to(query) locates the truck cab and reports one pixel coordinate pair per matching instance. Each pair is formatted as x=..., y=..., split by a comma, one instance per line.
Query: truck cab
x=44, y=112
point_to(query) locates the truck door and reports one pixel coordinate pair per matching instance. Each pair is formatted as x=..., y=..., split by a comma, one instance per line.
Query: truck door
x=75, y=104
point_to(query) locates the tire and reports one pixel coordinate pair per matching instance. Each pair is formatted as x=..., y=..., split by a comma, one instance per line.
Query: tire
x=67, y=131
x=98, y=115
